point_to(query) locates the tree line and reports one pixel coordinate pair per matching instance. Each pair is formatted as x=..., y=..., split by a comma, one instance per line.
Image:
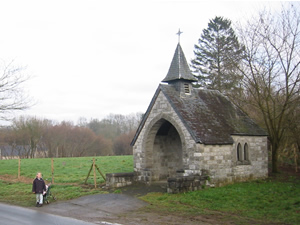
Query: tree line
x=30, y=137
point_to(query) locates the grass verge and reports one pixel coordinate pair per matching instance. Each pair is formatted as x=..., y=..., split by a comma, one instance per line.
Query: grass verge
x=268, y=200
x=17, y=193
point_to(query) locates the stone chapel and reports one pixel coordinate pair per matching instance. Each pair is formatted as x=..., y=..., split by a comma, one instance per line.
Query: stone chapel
x=188, y=130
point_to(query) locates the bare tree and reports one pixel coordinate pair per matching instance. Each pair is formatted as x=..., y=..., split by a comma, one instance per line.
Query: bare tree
x=12, y=95
x=271, y=70
x=29, y=132
x=102, y=146
x=122, y=144
x=115, y=125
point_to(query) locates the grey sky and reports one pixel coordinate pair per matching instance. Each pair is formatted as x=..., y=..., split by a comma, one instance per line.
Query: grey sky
x=91, y=58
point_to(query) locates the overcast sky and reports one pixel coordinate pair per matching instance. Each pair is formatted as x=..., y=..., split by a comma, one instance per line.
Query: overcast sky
x=92, y=58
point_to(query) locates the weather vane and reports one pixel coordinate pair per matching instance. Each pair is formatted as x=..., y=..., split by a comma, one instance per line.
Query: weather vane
x=179, y=33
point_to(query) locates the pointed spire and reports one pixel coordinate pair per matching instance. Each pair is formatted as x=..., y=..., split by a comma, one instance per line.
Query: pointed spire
x=179, y=68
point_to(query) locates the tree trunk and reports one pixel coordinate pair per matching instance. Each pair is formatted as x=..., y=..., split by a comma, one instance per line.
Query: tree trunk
x=274, y=157
x=295, y=158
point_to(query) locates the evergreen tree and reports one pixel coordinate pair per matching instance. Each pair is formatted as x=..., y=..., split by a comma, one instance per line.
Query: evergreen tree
x=216, y=57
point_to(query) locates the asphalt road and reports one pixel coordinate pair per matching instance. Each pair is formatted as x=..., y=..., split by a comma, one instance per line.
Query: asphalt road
x=14, y=215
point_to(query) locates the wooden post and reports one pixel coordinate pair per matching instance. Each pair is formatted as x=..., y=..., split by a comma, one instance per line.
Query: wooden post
x=19, y=169
x=88, y=174
x=94, y=169
x=52, y=170
x=100, y=172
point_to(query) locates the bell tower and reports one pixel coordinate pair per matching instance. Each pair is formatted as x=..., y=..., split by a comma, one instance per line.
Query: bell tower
x=179, y=74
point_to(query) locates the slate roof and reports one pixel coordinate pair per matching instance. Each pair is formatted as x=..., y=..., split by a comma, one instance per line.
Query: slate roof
x=208, y=115
x=179, y=68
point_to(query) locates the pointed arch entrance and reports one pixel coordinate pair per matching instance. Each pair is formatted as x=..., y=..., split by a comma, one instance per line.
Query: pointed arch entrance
x=164, y=150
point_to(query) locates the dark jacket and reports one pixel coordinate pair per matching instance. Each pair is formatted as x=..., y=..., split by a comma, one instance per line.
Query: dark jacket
x=38, y=186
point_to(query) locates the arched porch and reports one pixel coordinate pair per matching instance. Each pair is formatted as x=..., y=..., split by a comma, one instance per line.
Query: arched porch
x=163, y=150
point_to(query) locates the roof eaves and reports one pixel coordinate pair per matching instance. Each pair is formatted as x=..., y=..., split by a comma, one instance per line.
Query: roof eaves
x=245, y=134
x=142, y=123
x=218, y=143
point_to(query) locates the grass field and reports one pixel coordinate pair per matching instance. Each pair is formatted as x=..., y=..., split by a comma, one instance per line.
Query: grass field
x=69, y=176
x=274, y=200
x=67, y=170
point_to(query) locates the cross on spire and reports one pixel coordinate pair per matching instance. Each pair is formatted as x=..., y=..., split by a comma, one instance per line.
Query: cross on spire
x=179, y=33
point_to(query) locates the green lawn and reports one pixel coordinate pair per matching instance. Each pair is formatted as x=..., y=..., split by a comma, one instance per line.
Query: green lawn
x=268, y=200
x=69, y=176
x=18, y=193
x=68, y=170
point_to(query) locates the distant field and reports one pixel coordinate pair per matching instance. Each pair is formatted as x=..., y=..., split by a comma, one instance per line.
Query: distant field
x=67, y=170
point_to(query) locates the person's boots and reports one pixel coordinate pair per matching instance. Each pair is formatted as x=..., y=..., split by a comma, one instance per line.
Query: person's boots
x=37, y=204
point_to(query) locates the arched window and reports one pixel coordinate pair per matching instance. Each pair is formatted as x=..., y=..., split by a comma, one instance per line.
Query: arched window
x=239, y=152
x=246, y=156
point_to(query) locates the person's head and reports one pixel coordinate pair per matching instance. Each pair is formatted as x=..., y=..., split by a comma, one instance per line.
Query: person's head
x=39, y=175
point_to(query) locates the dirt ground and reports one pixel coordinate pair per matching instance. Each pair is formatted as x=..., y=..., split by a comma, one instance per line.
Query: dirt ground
x=124, y=208
x=13, y=179
x=127, y=209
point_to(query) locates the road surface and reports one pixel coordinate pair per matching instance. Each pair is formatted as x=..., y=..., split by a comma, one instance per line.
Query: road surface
x=14, y=215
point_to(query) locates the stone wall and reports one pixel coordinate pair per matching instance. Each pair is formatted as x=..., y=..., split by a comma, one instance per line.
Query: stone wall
x=185, y=184
x=257, y=164
x=222, y=163
x=216, y=159
x=181, y=183
x=117, y=180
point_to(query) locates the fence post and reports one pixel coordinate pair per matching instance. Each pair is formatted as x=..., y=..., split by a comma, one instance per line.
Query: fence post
x=52, y=170
x=100, y=173
x=19, y=169
x=88, y=174
x=94, y=168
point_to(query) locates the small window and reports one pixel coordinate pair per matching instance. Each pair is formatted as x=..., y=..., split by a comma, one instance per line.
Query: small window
x=187, y=89
x=246, y=156
x=239, y=152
